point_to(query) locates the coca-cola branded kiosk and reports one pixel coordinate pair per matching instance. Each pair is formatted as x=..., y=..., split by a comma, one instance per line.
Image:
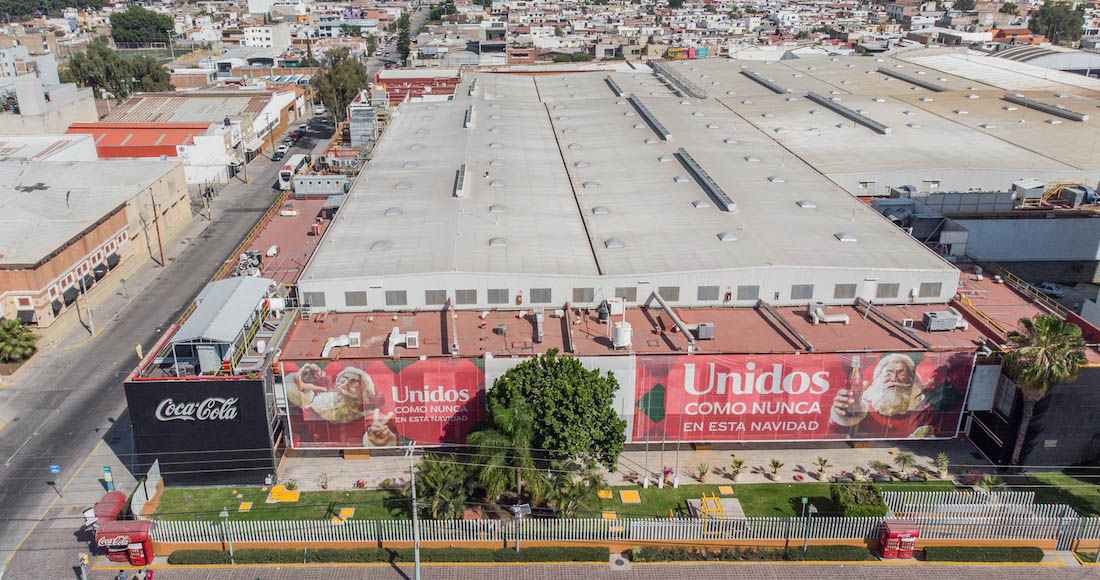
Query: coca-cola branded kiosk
x=898, y=539
x=209, y=430
x=126, y=541
x=108, y=508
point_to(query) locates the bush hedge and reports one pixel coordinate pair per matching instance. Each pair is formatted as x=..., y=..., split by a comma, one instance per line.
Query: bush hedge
x=858, y=500
x=369, y=555
x=813, y=553
x=983, y=554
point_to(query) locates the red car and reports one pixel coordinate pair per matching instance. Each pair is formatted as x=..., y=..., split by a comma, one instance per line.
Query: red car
x=294, y=137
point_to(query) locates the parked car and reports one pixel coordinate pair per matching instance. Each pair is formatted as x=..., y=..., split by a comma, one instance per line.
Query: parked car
x=294, y=137
x=1051, y=289
x=278, y=155
x=319, y=110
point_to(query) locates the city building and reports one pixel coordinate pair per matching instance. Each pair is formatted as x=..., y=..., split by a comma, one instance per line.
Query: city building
x=276, y=36
x=206, y=149
x=33, y=101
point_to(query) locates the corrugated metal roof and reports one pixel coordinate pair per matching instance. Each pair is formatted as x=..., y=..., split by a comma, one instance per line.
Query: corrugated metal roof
x=198, y=108
x=139, y=134
x=223, y=308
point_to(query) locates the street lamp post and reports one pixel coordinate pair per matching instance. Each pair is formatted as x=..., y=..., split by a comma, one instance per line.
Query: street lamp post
x=124, y=291
x=416, y=520
x=88, y=304
x=225, y=534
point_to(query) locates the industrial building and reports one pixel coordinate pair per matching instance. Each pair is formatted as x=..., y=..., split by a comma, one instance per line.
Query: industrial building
x=67, y=225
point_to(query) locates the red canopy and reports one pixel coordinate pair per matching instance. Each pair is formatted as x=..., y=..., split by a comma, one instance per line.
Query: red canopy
x=119, y=533
x=108, y=508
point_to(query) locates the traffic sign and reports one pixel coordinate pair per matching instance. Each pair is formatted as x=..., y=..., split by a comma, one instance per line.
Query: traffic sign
x=805, y=500
x=108, y=478
x=55, y=469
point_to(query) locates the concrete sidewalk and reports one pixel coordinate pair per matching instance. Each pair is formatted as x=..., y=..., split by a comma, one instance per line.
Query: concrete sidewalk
x=798, y=460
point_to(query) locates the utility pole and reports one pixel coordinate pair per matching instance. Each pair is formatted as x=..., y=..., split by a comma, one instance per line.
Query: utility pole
x=156, y=223
x=244, y=158
x=271, y=134
x=416, y=520
x=87, y=304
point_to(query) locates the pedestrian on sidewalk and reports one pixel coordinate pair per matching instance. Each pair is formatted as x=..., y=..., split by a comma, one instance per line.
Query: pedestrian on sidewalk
x=121, y=575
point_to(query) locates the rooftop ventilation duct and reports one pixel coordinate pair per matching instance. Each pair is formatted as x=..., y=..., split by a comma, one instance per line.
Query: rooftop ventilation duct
x=767, y=84
x=460, y=181
x=381, y=245
x=497, y=242
x=613, y=243
x=649, y=118
x=614, y=86
x=1019, y=99
x=708, y=183
x=849, y=113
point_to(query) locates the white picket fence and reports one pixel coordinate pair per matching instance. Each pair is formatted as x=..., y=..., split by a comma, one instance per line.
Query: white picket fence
x=594, y=530
x=971, y=504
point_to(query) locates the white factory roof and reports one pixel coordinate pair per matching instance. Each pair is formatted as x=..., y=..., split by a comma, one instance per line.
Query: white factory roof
x=43, y=205
x=564, y=178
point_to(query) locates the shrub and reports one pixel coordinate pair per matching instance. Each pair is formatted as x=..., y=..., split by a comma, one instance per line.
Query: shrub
x=368, y=555
x=858, y=500
x=814, y=553
x=830, y=554
x=198, y=557
x=983, y=554
x=553, y=554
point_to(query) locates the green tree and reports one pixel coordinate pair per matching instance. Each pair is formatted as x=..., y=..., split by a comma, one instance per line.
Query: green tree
x=504, y=452
x=16, y=10
x=404, y=39
x=438, y=11
x=441, y=482
x=351, y=30
x=1058, y=22
x=372, y=45
x=576, y=416
x=17, y=342
x=710, y=9
x=674, y=4
x=137, y=24
x=101, y=69
x=337, y=83
x=149, y=75
x=964, y=5
x=570, y=493
x=905, y=461
x=580, y=57
x=1009, y=8
x=486, y=3
x=1047, y=351
x=558, y=31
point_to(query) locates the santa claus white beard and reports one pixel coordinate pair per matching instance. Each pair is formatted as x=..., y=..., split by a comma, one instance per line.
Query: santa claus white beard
x=892, y=398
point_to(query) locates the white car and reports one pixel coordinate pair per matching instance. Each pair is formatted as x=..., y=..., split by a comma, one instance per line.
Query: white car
x=1051, y=289
x=319, y=110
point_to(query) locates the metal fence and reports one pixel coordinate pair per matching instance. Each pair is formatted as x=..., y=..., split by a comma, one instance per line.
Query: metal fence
x=912, y=504
x=1063, y=529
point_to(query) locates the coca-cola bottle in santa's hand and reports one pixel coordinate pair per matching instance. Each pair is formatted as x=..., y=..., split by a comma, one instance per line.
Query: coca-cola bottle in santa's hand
x=854, y=386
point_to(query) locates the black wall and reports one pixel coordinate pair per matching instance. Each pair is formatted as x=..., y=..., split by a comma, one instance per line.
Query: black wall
x=1068, y=420
x=211, y=451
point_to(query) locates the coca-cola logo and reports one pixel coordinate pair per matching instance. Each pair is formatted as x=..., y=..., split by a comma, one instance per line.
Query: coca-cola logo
x=113, y=542
x=209, y=409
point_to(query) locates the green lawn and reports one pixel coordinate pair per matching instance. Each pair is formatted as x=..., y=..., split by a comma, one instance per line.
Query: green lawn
x=206, y=503
x=757, y=499
x=1082, y=496
x=163, y=55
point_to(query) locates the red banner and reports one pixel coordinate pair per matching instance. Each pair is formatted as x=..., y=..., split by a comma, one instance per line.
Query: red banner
x=365, y=404
x=800, y=397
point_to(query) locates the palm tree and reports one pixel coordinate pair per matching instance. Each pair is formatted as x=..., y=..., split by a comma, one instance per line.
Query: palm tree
x=504, y=452
x=441, y=482
x=1046, y=351
x=570, y=495
x=17, y=342
x=904, y=460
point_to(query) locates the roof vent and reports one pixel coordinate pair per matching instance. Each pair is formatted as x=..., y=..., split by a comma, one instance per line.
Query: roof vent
x=600, y=210
x=613, y=243
x=960, y=111
x=497, y=242
x=496, y=183
x=926, y=99
x=697, y=114
x=496, y=163
x=751, y=158
x=494, y=117
x=851, y=66
x=427, y=118
x=391, y=211
x=912, y=125
x=727, y=237
x=574, y=145
x=639, y=126
x=792, y=99
x=591, y=185
x=730, y=141
x=878, y=99
x=568, y=130
x=620, y=102
x=381, y=245
x=559, y=107
x=664, y=158
x=563, y=117
x=768, y=115
x=496, y=208
x=1054, y=121
x=685, y=102
x=777, y=179
x=402, y=185
x=681, y=179
x=570, y=86
x=416, y=146
x=575, y=95
x=815, y=111
x=1009, y=108
x=410, y=165
x=654, y=94
x=629, y=113
x=496, y=145
x=746, y=102
x=494, y=105
x=797, y=75
x=422, y=131
x=972, y=96
x=845, y=237
x=701, y=203
x=494, y=130
x=806, y=204
x=581, y=164
x=651, y=140
x=987, y=126
x=731, y=92
x=712, y=126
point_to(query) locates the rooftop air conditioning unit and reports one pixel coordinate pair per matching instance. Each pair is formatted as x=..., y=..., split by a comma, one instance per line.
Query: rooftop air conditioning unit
x=705, y=331
x=941, y=321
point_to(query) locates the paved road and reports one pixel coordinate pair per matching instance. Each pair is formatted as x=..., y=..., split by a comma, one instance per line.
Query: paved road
x=388, y=55
x=639, y=572
x=66, y=402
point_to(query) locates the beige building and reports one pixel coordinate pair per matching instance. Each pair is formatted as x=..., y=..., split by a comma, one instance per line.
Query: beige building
x=69, y=228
